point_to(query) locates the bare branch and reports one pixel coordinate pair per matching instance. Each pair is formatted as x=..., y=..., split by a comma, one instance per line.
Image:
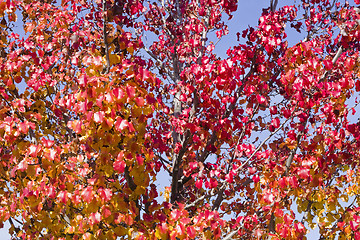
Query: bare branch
x=129, y=179
x=334, y=60
x=273, y=5
x=263, y=142
x=225, y=184
x=106, y=45
x=231, y=234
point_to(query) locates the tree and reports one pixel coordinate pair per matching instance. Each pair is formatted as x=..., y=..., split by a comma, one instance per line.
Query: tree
x=255, y=145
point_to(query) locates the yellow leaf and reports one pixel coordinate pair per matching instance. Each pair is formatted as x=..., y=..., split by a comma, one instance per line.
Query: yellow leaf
x=87, y=236
x=134, y=147
x=114, y=59
x=139, y=190
x=69, y=186
x=33, y=201
x=167, y=194
x=318, y=205
x=120, y=231
x=130, y=50
x=342, y=237
x=330, y=217
x=31, y=171
x=321, y=220
x=109, y=234
x=70, y=230
x=147, y=110
x=136, y=112
x=158, y=235
x=108, y=170
x=312, y=225
x=347, y=230
x=319, y=213
x=344, y=198
x=331, y=206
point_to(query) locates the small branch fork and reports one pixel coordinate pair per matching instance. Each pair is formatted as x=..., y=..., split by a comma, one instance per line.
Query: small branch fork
x=233, y=232
x=224, y=183
x=230, y=166
x=203, y=156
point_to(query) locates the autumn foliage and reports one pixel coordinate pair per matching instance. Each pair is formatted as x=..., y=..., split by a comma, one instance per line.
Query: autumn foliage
x=119, y=120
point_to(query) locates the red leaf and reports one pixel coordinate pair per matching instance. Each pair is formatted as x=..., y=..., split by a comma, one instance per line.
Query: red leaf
x=286, y=112
x=119, y=165
x=349, y=64
x=288, y=219
x=47, y=143
x=357, y=236
x=121, y=124
x=282, y=183
x=23, y=127
x=212, y=183
x=273, y=110
x=229, y=178
x=34, y=150
x=22, y=166
x=99, y=117
x=130, y=90
x=87, y=194
x=299, y=227
x=328, y=64
x=357, y=84
x=63, y=197
x=95, y=218
x=252, y=170
x=354, y=225
x=268, y=197
x=118, y=93
x=199, y=183
x=191, y=232
x=82, y=80
x=261, y=99
x=105, y=194
x=140, y=160
x=275, y=122
x=106, y=212
x=175, y=214
x=256, y=178
x=75, y=125
x=139, y=101
x=304, y=173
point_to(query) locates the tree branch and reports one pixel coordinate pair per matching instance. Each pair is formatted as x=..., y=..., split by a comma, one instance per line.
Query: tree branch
x=107, y=68
x=273, y=4
x=177, y=171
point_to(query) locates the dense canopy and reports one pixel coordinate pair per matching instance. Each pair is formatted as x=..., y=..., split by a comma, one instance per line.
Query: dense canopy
x=120, y=120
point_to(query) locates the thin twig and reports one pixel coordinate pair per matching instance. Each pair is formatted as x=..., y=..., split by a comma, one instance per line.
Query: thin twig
x=160, y=63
